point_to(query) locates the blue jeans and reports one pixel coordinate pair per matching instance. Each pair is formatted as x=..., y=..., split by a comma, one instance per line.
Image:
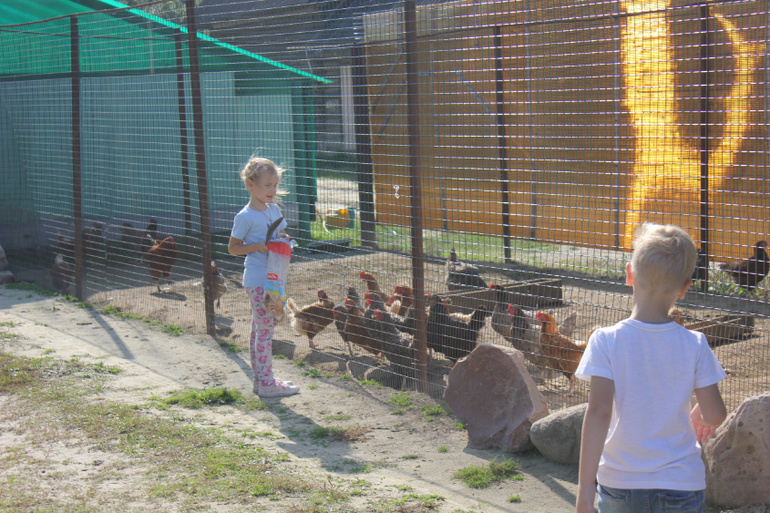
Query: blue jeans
x=612, y=500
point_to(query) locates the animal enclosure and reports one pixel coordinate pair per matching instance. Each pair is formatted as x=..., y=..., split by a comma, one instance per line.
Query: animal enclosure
x=529, y=139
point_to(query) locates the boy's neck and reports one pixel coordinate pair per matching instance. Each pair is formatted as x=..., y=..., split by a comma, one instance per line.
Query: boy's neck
x=652, y=307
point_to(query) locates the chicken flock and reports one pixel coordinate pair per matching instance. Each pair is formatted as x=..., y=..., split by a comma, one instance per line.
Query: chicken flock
x=159, y=254
x=384, y=325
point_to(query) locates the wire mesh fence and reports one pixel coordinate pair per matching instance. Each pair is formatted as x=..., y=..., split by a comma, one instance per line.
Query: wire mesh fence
x=457, y=157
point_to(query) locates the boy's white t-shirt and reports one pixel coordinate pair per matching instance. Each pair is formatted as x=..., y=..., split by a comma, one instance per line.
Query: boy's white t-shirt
x=251, y=226
x=651, y=442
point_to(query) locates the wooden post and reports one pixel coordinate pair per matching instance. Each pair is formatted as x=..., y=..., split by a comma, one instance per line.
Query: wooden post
x=200, y=161
x=363, y=147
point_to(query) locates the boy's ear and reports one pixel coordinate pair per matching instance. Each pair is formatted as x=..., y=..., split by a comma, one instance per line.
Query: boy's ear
x=629, y=275
x=685, y=288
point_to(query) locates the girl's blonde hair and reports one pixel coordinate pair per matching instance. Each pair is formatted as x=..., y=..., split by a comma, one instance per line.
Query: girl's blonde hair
x=664, y=256
x=256, y=167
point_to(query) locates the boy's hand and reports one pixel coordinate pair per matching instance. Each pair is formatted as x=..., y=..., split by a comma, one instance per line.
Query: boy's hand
x=703, y=431
x=585, y=499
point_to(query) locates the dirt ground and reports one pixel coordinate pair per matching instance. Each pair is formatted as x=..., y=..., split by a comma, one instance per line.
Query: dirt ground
x=161, y=362
x=401, y=449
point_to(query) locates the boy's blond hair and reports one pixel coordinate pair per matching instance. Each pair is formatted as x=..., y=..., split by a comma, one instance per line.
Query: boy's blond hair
x=664, y=256
x=258, y=166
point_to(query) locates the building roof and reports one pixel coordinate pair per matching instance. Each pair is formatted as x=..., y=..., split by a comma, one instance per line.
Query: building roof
x=35, y=40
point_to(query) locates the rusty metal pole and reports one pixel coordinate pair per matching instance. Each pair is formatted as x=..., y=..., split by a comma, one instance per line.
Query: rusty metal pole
x=415, y=185
x=501, y=143
x=200, y=160
x=184, y=146
x=77, y=196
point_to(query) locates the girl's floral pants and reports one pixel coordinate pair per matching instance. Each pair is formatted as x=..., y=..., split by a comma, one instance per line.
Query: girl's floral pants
x=261, y=339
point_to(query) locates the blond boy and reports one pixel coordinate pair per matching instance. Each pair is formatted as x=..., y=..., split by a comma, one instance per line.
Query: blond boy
x=641, y=440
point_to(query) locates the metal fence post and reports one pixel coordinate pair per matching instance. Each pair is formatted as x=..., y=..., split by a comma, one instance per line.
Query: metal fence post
x=77, y=197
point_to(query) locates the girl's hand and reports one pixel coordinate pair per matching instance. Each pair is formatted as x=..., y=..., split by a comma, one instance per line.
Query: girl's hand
x=260, y=246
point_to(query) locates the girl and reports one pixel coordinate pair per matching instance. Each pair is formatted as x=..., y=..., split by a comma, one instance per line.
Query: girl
x=250, y=226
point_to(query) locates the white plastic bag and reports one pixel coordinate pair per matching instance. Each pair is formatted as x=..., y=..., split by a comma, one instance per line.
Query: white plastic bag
x=278, y=258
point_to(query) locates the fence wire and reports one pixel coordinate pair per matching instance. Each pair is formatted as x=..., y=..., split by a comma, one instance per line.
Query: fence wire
x=523, y=140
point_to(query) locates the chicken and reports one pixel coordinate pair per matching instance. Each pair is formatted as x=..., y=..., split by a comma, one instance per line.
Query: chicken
x=395, y=304
x=220, y=284
x=407, y=298
x=677, y=315
x=63, y=275
x=340, y=314
x=355, y=329
x=373, y=286
x=352, y=293
x=454, y=338
x=396, y=345
x=405, y=323
x=461, y=275
x=518, y=330
x=93, y=242
x=749, y=273
x=562, y=353
x=310, y=320
x=160, y=258
x=132, y=238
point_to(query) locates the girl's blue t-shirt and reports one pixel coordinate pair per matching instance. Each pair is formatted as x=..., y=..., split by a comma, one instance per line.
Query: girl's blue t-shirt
x=251, y=226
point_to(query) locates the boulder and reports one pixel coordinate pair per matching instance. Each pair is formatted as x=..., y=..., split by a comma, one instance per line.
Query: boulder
x=3, y=261
x=6, y=277
x=738, y=457
x=492, y=393
x=557, y=436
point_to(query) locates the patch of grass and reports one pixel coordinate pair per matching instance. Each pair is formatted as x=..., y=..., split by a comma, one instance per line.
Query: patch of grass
x=432, y=411
x=312, y=372
x=230, y=347
x=7, y=324
x=341, y=434
x=48, y=351
x=29, y=286
x=312, y=386
x=443, y=448
x=346, y=377
x=480, y=477
x=338, y=418
x=300, y=363
x=397, y=411
x=411, y=457
x=279, y=357
x=195, y=398
x=400, y=399
x=370, y=383
x=514, y=498
x=174, y=330
x=459, y=426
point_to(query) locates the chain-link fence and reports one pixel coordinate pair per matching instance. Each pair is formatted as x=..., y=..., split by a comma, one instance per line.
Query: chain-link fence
x=528, y=139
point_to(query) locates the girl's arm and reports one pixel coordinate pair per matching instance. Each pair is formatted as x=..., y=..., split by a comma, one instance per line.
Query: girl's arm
x=237, y=247
x=596, y=423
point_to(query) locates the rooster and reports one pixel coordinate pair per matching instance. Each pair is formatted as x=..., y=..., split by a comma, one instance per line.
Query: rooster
x=454, y=338
x=461, y=275
x=356, y=331
x=310, y=320
x=749, y=273
x=160, y=258
x=220, y=284
x=561, y=352
x=62, y=275
x=373, y=286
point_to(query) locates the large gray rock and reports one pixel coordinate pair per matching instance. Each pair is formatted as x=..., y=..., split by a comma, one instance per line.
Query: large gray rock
x=3, y=261
x=557, y=436
x=6, y=277
x=492, y=393
x=738, y=457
